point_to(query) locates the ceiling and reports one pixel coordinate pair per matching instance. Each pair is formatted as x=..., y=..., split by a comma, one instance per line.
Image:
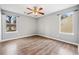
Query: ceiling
x=47, y=8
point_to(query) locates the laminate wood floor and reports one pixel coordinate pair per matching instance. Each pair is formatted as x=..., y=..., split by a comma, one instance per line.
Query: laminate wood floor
x=37, y=45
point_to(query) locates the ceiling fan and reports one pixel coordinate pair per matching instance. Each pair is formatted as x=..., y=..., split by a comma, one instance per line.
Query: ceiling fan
x=36, y=11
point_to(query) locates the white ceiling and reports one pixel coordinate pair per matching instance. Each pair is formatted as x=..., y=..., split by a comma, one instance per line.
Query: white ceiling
x=47, y=8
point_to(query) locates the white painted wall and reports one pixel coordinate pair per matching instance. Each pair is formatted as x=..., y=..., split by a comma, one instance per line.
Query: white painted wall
x=26, y=26
x=77, y=25
x=49, y=26
x=0, y=24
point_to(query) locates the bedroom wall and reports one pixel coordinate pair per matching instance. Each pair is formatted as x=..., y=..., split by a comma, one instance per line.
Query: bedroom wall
x=26, y=26
x=77, y=25
x=49, y=26
x=0, y=24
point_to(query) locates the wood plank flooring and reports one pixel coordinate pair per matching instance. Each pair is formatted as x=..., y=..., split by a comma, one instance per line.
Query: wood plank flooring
x=37, y=45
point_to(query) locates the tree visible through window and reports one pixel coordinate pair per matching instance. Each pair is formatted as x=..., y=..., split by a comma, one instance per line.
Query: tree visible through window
x=10, y=23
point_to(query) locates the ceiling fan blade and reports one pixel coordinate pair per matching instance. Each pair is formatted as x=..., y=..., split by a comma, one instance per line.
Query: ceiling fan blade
x=29, y=9
x=41, y=13
x=40, y=8
x=29, y=13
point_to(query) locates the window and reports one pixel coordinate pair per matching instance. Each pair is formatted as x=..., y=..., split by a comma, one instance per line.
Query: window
x=10, y=23
x=66, y=23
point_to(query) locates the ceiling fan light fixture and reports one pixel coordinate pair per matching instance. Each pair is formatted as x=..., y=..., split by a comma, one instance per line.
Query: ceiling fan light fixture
x=36, y=11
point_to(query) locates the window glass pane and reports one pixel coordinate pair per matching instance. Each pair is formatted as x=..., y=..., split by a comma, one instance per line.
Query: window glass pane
x=10, y=23
x=66, y=25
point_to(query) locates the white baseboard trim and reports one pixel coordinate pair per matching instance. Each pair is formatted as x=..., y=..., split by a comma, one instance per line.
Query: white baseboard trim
x=40, y=35
x=59, y=40
x=17, y=37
